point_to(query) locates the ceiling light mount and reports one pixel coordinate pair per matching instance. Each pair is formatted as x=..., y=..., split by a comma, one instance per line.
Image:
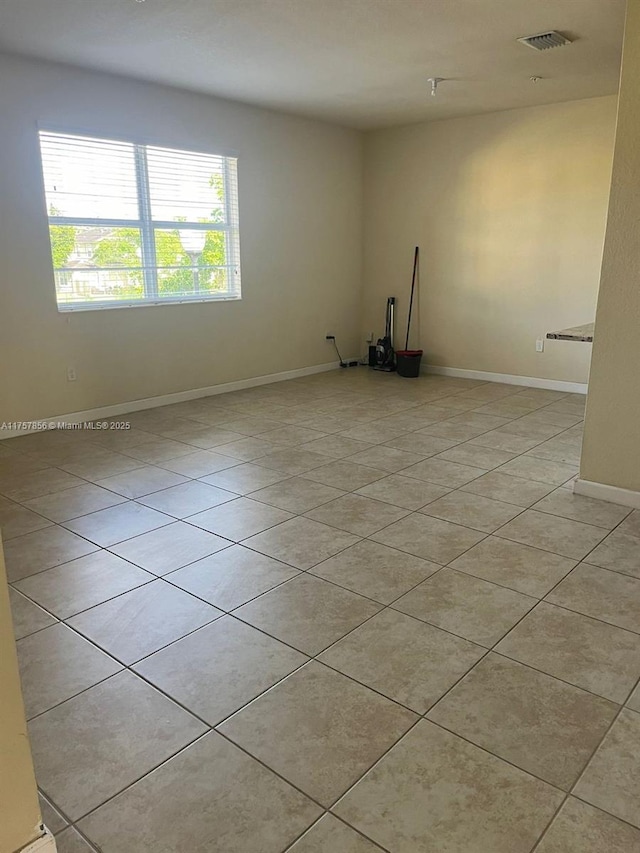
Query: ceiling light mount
x=434, y=84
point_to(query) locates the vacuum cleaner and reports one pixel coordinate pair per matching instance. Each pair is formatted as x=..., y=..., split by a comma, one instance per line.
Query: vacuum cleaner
x=382, y=356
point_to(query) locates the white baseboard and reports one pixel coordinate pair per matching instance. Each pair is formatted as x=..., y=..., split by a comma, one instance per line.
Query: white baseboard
x=178, y=397
x=46, y=843
x=509, y=379
x=604, y=492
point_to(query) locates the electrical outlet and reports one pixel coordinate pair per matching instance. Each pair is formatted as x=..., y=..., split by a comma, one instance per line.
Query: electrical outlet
x=369, y=338
x=329, y=337
x=71, y=374
x=540, y=345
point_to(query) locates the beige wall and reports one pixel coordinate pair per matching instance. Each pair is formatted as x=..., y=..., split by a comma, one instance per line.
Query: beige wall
x=509, y=212
x=612, y=427
x=300, y=209
x=19, y=809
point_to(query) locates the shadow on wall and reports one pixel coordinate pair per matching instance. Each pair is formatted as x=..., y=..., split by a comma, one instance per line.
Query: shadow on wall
x=509, y=211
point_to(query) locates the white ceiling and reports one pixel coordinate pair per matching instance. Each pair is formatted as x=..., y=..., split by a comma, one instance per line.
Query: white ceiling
x=362, y=63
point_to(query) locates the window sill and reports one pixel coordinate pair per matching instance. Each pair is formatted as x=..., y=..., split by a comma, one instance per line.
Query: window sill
x=139, y=303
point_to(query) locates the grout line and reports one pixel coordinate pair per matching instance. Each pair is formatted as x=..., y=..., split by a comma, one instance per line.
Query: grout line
x=337, y=414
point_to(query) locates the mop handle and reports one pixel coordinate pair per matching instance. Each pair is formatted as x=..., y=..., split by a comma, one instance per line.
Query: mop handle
x=413, y=284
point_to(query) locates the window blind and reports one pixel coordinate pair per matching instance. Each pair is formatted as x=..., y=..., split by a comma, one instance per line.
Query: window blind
x=133, y=224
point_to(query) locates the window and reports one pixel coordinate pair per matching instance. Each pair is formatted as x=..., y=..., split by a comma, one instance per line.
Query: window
x=133, y=224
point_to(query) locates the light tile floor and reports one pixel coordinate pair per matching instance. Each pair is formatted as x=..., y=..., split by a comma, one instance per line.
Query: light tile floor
x=340, y=614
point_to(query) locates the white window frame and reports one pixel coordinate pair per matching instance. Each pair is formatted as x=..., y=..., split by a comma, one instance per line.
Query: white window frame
x=147, y=225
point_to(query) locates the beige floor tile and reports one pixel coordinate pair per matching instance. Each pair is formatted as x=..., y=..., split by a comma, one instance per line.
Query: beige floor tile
x=454, y=431
x=71, y=503
x=539, y=470
x=556, y=451
x=579, y=508
x=117, y=523
x=540, y=724
x=375, y=570
x=228, y=796
x=52, y=819
x=503, y=487
x=434, y=791
x=551, y=533
x=56, y=664
x=207, y=438
x=579, y=828
x=577, y=649
x=35, y=552
x=232, y=577
x=531, y=429
x=187, y=499
x=612, y=778
x=301, y=542
x=511, y=564
x=239, y=518
x=634, y=700
x=473, y=511
x=247, y=448
x=620, y=552
x=422, y=444
x=444, y=473
x=407, y=660
x=292, y=435
x=307, y=613
x=357, y=514
x=383, y=458
x=143, y=620
x=23, y=487
x=406, y=492
x=16, y=520
x=293, y=460
x=508, y=409
x=343, y=474
x=219, y=668
x=476, y=456
x=199, y=464
x=247, y=426
x=71, y=841
x=499, y=440
x=113, y=734
x=336, y=446
x=332, y=424
x=605, y=595
x=480, y=420
x=141, y=481
x=159, y=450
x=631, y=524
x=27, y=616
x=471, y=608
x=118, y=439
x=427, y=537
x=330, y=835
x=245, y=478
x=38, y=441
x=319, y=730
x=374, y=432
x=103, y=464
x=79, y=584
x=296, y=494
x=169, y=548
x=18, y=463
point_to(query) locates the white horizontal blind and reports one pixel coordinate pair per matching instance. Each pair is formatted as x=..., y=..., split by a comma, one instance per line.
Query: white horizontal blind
x=133, y=224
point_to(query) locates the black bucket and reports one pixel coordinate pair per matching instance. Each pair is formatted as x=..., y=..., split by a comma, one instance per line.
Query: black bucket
x=408, y=362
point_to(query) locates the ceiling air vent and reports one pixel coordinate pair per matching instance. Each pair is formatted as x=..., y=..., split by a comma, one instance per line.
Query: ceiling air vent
x=543, y=41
